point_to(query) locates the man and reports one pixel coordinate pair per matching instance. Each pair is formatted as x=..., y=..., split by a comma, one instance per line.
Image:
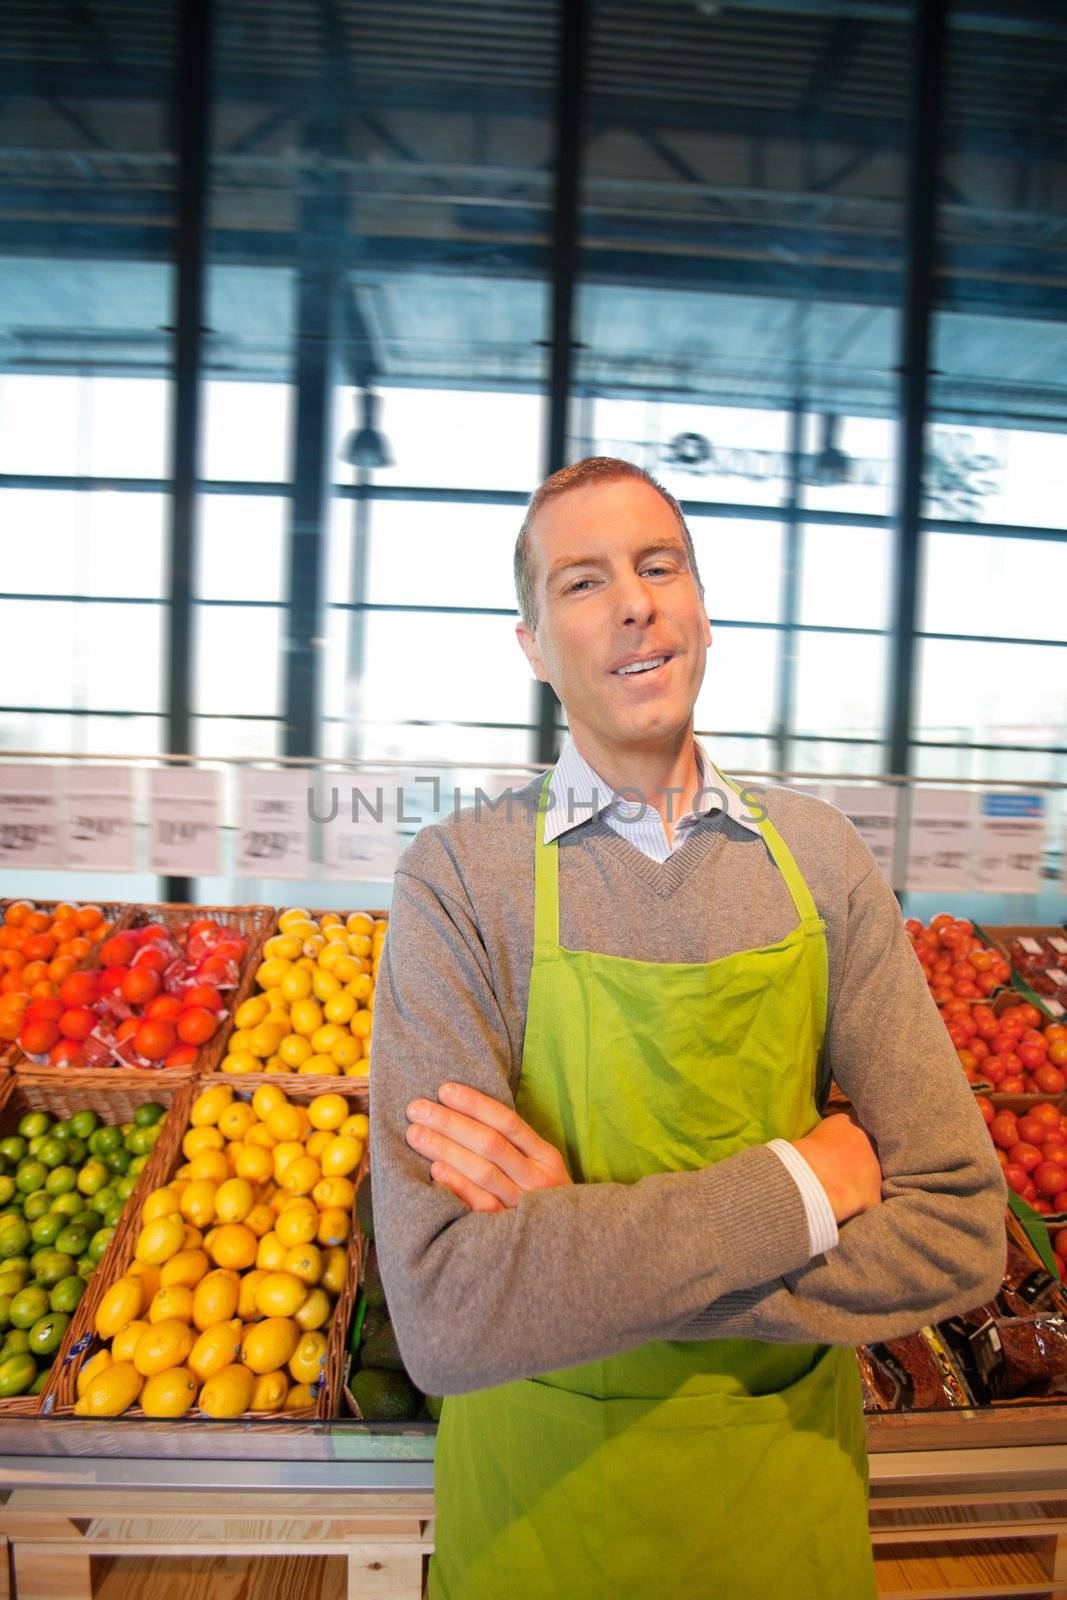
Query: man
x=612, y=1225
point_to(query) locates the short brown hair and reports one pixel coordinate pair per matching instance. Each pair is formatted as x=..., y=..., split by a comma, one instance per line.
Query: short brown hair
x=594, y=469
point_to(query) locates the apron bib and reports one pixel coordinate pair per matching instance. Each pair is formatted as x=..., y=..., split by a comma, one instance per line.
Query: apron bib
x=711, y=1470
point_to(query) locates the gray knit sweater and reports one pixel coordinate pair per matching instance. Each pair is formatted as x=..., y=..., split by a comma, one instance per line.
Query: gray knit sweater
x=575, y=1274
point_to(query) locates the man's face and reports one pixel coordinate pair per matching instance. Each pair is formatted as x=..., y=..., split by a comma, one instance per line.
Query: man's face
x=614, y=589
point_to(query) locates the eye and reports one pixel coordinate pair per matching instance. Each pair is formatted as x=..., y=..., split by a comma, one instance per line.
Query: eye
x=579, y=584
x=657, y=567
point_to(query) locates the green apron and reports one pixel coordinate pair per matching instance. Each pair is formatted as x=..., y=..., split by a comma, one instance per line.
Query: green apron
x=723, y=1469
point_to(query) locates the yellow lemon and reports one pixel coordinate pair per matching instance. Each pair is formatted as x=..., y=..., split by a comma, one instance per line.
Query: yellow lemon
x=361, y=1024
x=160, y=1240
x=186, y=1268
x=318, y=1143
x=346, y=1052
x=313, y=947
x=335, y=1225
x=299, y=1397
x=172, y=1304
x=294, y=1049
x=215, y=1299
x=234, y=1246
x=314, y=1312
x=346, y=969
x=246, y=1294
x=341, y=1157
x=359, y=922
x=251, y=1012
x=270, y=1253
x=359, y=1069
x=210, y=1166
x=268, y=1345
x=198, y=1203
x=300, y=1176
x=296, y=985
x=359, y=945
x=270, y=973
x=198, y=1139
x=227, y=1392
x=111, y=1391
x=253, y=1163
x=327, y=1111
x=163, y=1345
x=357, y=1126
x=261, y=1134
x=236, y=1120
x=309, y=1358
x=305, y=1017
x=330, y=919
x=275, y=1064
x=125, y=1342
x=193, y=1238
x=291, y=915
x=324, y=985
x=318, y=1065
x=208, y=1239
x=286, y=945
x=324, y=1038
x=335, y=1194
x=260, y=1220
x=361, y=988
x=334, y=1268
x=160, y=1203
x=264, y=1040
x=296, y=1227
x=269, y=1392
x=234, y=1200
x=279, y=1294
x=206, y=1106
x=147, y=1276
x=337, y=1010
x=239, y=1039
x=238, y=1062
x=216, y=1347
x=169, y=1394
x=304, y=1262
x=97, y=1363
x=290, y=1150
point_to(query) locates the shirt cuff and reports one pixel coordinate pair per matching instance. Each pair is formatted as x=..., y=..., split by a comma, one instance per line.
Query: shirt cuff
x=822, y=1225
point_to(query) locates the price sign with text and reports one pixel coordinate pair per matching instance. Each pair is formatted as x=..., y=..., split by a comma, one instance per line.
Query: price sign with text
x=184, y=821
x=359, y=827
x=872, y=811
x=273, y=836
x=99, y=819
x=30, y=817
x=1012, y=843
x=941, y=841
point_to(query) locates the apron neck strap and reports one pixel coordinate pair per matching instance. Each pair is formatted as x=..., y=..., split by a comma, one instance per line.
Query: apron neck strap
x=546, y=876
x=782, y=857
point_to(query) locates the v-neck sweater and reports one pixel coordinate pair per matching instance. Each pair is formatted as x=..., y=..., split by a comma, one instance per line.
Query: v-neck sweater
x=578, y=1273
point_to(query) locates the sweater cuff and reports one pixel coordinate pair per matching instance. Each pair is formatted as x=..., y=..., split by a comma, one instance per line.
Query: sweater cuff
x=822, y=1224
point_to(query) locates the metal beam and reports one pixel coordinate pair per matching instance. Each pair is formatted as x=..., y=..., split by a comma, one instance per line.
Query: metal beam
x=924, y=158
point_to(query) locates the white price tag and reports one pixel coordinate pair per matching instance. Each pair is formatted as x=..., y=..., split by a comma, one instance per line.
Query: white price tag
x=30, y=817
x=1012, y=844
x=184, y=821
x=940, y=843
x=359, y=826
x=99, y=819
x=273, y=839
x=872, y=811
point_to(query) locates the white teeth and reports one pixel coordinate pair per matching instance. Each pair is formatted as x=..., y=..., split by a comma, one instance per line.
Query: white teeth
x=640, y=666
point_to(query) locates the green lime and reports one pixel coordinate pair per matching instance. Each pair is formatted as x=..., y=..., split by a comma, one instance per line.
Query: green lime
x=61, y=1180
x=46, y=1335
x=35, y=1144
x=34, y=1124
x=113, y=1213
x=83, y=1124
x=137, y=1166
x=30, y=1176
x=67, y=1292
x=7, y=1188
x=12, y=1279
x=36, y=1205
x=125, y=1128
x=37, y=1386
x=149, y=1114
x=52, y=1266
x=15, y=1238
x=139, y=1142
x=5, y=1308
x=77, y=1150
x=99, y=1243
x=17, y=1374
x=103, y=1198
x=16, y=1343
x=86, y=1268
x=105, y=1140
x=126, y=1185
x=14, y=1209
x=52, y=1151
x=29, y=1305
x=74, y=1239
x=61, y=1130
x=13, y=1148
x=66, y=1205
x=118, y=1161
x=93, y=1175
x=46, y=1229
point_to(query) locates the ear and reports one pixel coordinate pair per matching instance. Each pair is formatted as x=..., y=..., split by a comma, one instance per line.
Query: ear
x=707, y=631
x=528, y=642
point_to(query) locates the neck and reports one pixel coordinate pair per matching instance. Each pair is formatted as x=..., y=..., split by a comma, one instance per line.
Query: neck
x=666, y=776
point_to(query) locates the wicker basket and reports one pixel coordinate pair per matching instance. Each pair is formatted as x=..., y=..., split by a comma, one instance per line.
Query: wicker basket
x=115, y=912
x=252, y=921
x=84, y=1344
x=114, y=1101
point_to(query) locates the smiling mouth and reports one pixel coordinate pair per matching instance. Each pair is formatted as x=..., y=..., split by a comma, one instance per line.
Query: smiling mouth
x=639, y=669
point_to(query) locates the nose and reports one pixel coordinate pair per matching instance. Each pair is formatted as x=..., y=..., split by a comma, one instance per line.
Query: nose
x=634, y=602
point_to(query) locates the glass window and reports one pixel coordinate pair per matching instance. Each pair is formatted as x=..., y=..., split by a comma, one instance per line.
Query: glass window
x=246, y=432
x=845, y=576
x=840, y=685
x=237, y=660
x=986, y=474
x=133, y=736
x=101, y=542
x=698, y=452
x=438, y=554
x=740, y=565
x=98, y=427
x=850, y=462
x=430, y=668
x=225, y=737
x=446, y=438
x=738, y=693
x=991, y=585
x=992, y=693
x=241, y=547
x=44, y=633
x=1016, y=766
x=41, y=732
x=826, y=755
x=444, y=741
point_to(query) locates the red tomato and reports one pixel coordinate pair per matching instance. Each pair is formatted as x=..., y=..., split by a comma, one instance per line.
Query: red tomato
x=1057, y=1052
x=943, y=919
x=1032, y=1056
x=66, y=1053
x=37, y=1038
x=967, y=1061
x=1016, y=1177
x=1025, y=1155
x=201, y=925
x=183, y=1055
x=232, y=949
x=987, y=1108
x=1050, y=1177
x=1030, y=1194
x=913, y=925
x=43, y=1009
x=111, y=979
x=986, y=983
x=1031, y=1129
x=1031, y=1015
x=1043, y=1209
x=978, y=1047
x=152, y=958
x=1000, y=971
x=1059, y=1201
x=1005, y=1129
x=154, y=1039
x=140, y=985
x=1013, y=1084
x=79, y=988
x=196, y=1025
x=77, y=1023
x=213, y=967
x=117, y=951
x=1059, y=1243
x=1050, y=1080
x=205, y=995
x=994, y=1069
x=1046, y=1112
x=126, y=1029
x=164, y=1008
x=1055, y=1032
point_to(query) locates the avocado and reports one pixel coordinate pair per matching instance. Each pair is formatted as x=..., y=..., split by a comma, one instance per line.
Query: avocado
x=373, y=1292
x=385, y=1396
x=373, y=1323
x=433, y=1403
x=382, y=1351
x=365, y=1209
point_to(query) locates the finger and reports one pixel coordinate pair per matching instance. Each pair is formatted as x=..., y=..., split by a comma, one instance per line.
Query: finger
x=505, y=1119
x=436, y=1147
x=469, y=1193
x=477, y=1137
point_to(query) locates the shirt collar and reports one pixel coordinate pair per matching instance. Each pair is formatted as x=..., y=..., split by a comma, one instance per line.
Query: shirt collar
x=579, y=795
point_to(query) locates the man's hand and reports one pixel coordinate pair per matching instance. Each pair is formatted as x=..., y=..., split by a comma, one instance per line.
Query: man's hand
x=481, y=1150
x=843, y=1159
